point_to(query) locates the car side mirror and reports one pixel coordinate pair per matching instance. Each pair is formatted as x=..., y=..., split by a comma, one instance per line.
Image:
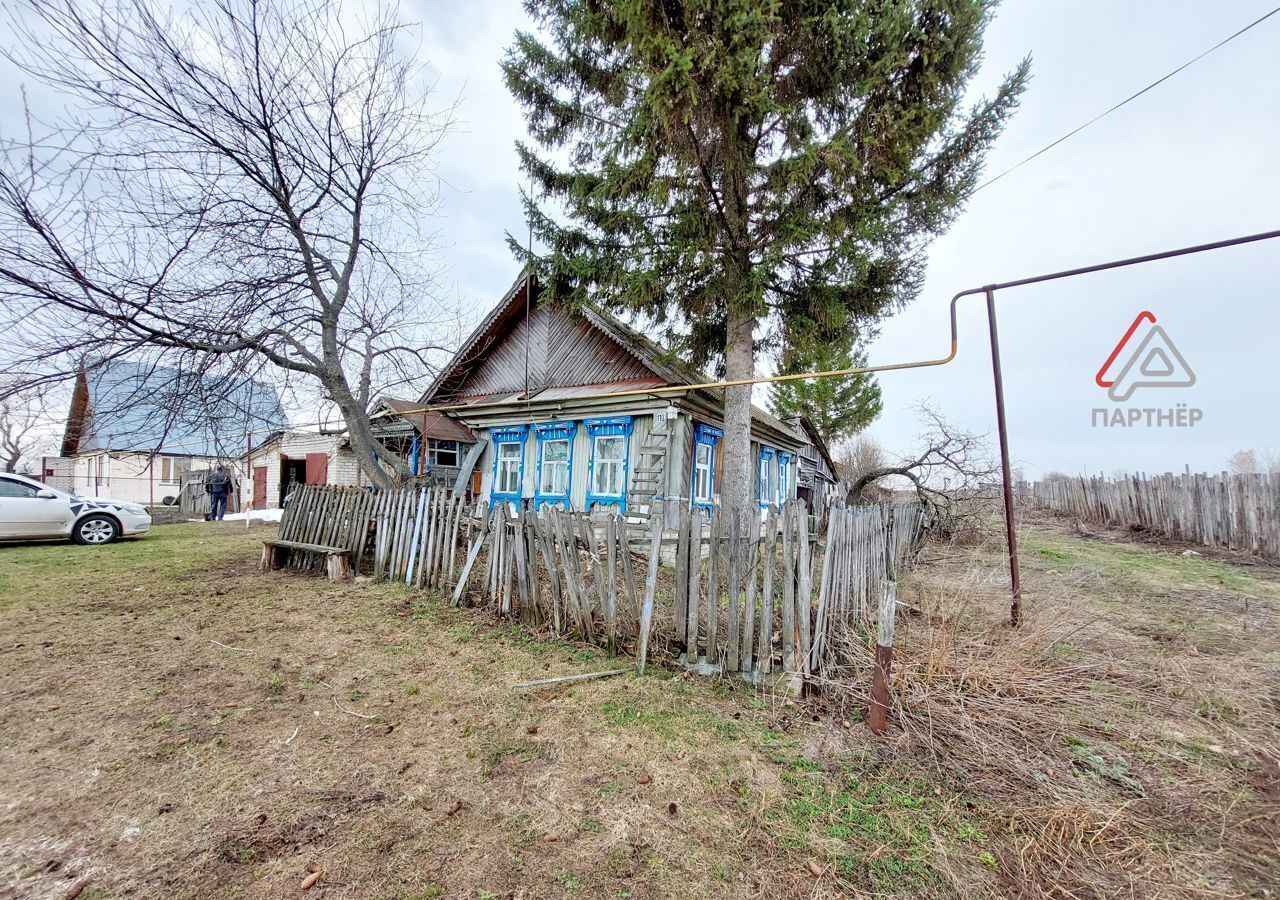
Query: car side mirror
x=46, y=495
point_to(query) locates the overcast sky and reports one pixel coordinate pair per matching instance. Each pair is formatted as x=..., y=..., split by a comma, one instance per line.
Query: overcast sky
x=1191, y=161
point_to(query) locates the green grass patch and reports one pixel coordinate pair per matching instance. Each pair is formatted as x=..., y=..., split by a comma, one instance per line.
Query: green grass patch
x=169, y=554
x=876, y=830
x=1142, y=565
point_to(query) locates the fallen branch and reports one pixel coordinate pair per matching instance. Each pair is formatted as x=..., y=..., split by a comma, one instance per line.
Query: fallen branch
x=289, y=740
x=566, y=679
x=351, y=712
x=233, y=649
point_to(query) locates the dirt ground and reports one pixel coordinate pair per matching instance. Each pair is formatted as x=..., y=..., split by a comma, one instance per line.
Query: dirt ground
x=177, y=724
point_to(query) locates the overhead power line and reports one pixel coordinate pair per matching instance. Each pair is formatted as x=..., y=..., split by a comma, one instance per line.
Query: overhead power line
x=1129, y=99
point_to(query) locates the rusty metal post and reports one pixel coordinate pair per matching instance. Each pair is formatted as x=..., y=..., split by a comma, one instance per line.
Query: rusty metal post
x=1010, y=525
x=878, y=715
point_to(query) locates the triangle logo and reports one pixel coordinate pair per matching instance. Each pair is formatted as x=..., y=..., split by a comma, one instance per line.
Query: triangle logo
x=1152, y=360
x=1157, y=365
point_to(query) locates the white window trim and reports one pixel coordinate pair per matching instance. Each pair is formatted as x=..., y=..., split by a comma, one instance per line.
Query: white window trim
x=708, y=468
x=620, y=464
x=509, y=463
x=561, y=465
x=172, y=463
x=433, y=449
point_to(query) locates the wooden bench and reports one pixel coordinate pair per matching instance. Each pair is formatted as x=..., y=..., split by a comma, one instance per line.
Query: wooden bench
x=337, y=559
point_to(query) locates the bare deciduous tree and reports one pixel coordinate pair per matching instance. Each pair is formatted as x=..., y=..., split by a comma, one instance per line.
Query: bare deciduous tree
x=952, y=473
x=858, y=456
x=1248, y=462
x=22, y=412
x=243, y=180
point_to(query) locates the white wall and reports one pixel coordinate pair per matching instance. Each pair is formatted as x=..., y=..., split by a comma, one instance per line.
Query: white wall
x=343, y=469
x=130, y=477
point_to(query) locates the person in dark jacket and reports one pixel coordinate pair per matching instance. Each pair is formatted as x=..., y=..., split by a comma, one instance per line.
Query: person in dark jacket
x=217, y=484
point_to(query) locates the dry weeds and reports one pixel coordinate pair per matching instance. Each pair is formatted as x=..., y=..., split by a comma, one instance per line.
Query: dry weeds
x=179, y=725
x=1124, y=739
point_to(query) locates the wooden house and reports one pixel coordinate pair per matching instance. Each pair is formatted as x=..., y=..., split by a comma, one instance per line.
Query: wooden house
x=433, y=444
x=817, y=482
x=563, y=407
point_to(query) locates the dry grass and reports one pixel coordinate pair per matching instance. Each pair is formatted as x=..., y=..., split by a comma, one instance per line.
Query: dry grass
x=179, y=725
x=1125, y=739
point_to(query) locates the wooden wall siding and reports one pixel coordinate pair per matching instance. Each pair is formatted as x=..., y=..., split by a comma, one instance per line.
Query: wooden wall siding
x=642, y=424
x=562, y=352
x=577, y=469
x=679, y=464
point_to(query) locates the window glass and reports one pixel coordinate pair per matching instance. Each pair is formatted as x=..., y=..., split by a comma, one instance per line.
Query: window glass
x=555, y=467
x=609, y=453
x=703, y=455
x=168, y=469
x=16, y=489
x=763, y=477
x=508, y=480
x=442, y=453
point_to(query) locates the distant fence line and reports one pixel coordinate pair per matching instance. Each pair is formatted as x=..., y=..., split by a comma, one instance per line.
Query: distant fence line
x=1240, y=512
x=743, y=597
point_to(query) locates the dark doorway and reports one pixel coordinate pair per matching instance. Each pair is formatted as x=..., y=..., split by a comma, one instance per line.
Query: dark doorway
x=805, y=495
x=293, y=472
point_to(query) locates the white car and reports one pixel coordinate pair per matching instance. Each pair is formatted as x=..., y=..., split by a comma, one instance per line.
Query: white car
x=28, y=510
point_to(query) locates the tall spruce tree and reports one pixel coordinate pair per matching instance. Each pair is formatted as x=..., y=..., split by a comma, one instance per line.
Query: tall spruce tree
x=838, y=407
x=749, y=175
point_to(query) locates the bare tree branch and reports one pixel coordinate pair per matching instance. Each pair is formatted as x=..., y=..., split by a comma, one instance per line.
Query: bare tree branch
x=244, y=180
x=952, y=473
x=22, y=413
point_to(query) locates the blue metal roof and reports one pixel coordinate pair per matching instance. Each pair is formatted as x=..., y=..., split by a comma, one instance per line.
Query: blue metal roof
x=143, y=407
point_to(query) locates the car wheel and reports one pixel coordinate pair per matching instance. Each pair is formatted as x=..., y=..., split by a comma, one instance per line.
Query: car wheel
x=96, y=529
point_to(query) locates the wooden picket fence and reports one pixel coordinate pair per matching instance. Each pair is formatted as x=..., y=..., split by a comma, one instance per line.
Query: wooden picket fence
x=767, y=595
x=1240, y=512
x=406, y=535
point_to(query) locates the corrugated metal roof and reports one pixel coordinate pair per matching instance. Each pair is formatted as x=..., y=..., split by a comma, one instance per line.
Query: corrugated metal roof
x=142, y=407
x=429, y=424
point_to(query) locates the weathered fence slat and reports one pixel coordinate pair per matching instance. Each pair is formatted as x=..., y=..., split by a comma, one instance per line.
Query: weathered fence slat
x=1237, y=511
x=576, y=572
x=694, y=587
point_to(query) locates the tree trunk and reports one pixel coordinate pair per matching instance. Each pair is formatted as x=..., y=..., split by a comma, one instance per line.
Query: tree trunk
x=371, y=455
x=740, y=362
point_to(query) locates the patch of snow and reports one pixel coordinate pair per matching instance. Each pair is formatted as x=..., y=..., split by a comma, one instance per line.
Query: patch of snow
x=256, y=515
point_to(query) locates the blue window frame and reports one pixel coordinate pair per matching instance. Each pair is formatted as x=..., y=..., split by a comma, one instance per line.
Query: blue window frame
x=508, y=461
x=610, y=458
x=784, y=476
x=414, y=459
x=764, y=475
x=703, y=483
x=555, y=462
